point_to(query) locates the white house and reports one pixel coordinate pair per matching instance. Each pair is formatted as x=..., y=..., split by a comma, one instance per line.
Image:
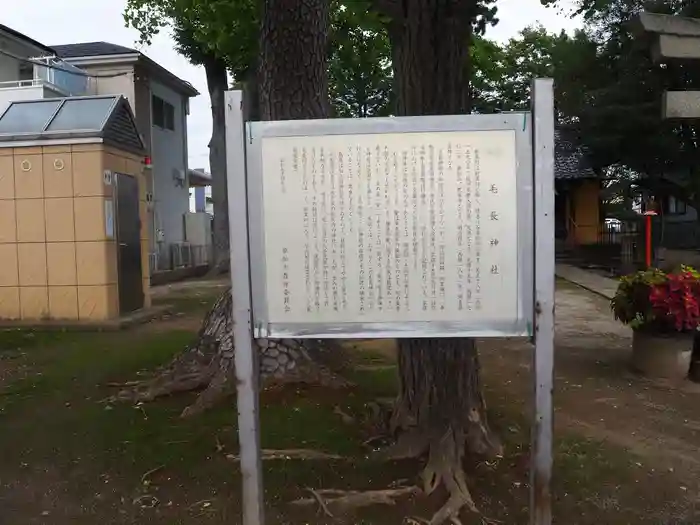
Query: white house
x=23, y=75
x=200, y=191
x=160, y=101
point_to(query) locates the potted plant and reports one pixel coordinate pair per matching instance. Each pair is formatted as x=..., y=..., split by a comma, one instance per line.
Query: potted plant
x=663, y=311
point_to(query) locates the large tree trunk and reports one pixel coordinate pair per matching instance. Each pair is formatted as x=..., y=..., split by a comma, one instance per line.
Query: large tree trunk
x=440, y=410
x=208, y=364
x=251, y=96
x=292, y=85
x=293, y=56
x=430, y=55
x=217, y=84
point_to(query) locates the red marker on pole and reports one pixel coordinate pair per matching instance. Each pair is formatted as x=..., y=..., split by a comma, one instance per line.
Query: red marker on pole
x=648, y=215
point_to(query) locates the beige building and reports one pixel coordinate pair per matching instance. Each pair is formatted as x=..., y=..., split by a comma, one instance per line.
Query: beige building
x=160, y=102
x=73, y=241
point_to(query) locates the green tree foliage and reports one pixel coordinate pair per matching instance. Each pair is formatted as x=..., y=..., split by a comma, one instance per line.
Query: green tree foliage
x=501, y=82
x=502, y=74
x=359, y=66
x=226, y=28
x=360, y=61
x=488, y=59
x=619, y=118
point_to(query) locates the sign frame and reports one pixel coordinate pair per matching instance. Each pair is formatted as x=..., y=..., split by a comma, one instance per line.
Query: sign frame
x=520, y=123
x=541, y=187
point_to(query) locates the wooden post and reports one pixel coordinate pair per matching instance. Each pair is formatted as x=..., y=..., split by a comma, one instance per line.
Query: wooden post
x=647, y=239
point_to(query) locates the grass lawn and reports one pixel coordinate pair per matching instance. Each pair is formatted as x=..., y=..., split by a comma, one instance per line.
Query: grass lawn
x=70, y=458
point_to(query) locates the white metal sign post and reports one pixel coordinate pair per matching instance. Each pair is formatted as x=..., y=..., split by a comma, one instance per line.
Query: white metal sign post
x=543, y=362
x=245, y=359
x=388, y=228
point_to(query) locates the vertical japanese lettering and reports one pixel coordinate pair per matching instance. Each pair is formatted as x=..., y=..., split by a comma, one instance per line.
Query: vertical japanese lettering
x=315, y=232
x=477, y=237
x=460, y=221
x=306, y=213
x=397, y=227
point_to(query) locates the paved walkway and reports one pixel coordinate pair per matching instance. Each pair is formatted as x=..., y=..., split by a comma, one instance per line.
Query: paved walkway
x=596, y=283
x=166, y=289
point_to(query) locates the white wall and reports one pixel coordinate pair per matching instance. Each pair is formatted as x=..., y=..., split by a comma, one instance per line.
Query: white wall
x=123, y=84
x=169, y=153
x=209, y=207
x=8, y=95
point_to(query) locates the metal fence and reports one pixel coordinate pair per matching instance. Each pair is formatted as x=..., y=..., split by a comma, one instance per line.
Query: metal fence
x=676, y=235
x=175, y=256
x=621, y=246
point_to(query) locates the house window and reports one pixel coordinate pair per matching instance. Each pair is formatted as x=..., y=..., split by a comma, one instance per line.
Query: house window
x=26, y=72
x=676, y=207
x=163, y=113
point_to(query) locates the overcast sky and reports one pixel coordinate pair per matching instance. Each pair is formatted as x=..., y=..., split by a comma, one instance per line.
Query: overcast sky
x=74, y=21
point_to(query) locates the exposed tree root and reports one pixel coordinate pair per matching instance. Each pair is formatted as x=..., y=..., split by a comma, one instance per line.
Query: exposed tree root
x=148, y=474
x=335, y=502
x=321, y=503
x=291, y=454
x=441, y=412
x=346, y=418
x=445, y=466
x=408, y=445
x=208, y=364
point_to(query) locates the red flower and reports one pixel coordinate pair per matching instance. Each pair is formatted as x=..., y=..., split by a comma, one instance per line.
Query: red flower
x=676, y=301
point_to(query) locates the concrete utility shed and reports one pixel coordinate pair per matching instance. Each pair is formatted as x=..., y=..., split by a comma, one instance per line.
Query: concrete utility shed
x=73, y=235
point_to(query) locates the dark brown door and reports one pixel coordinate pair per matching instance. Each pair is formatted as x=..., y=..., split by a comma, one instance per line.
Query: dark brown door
x=128, y=233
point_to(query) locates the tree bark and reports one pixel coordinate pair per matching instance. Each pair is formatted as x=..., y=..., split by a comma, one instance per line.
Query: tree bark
x=430, y=56
x=292, y=85
x=217, y=84
x=440, y=409
x=208, y=364
x=251, y=96
x=293, y=80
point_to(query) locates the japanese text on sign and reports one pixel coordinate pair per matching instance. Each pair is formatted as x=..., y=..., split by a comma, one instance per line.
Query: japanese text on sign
x=391, y=227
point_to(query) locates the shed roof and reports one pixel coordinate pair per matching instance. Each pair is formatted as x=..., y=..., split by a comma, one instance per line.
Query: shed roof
x=106, y=117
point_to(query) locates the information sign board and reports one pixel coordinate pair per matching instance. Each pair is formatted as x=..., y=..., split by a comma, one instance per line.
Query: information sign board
x=409, y=227
x=357, y=233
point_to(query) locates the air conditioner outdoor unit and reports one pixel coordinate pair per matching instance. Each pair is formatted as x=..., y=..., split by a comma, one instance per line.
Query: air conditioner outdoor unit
x=179, y=177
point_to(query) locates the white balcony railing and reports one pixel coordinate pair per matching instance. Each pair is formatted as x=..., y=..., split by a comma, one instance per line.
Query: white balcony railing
x=65, y=77
x=33, y=83
x=18, y=90
x=55, y=79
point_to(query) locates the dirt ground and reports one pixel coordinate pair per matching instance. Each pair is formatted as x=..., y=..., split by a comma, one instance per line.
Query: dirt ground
x=627, y=451
x=597, y=396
